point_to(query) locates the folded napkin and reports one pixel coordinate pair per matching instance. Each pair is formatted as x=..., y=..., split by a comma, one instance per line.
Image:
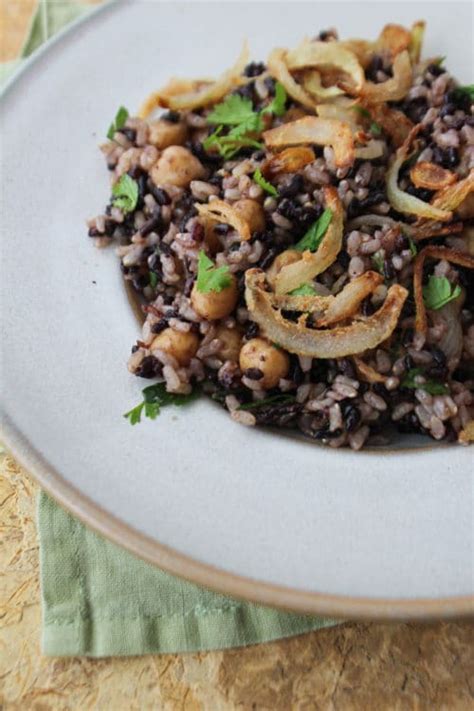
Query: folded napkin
x=97, y=599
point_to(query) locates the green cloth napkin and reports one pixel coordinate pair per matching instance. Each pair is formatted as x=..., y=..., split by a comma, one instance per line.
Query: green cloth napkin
x=97, y=599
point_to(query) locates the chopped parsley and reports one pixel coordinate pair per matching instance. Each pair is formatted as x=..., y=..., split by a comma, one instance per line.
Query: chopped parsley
x=119, y=122
x=231, y=143
x=303, y=290
x=467, y=90
x=280, y=399
x=430, y=386
x=236, y=111
x=413, y=247
x=375, y=129
x=439, y=291
x=313, y=237
x=210, y=277
x=154, y=398
x=153, y=276
x=277, y=106
x=125, y=193
x=362, y=111
x=378, y=261
x=264, y=184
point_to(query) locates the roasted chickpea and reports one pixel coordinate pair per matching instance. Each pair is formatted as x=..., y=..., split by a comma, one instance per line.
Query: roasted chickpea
x=252, y=213
x=179, y=344
x=165, y=133
x=290, y=256
x=231, y=340
x=177, y=166
x=214, y=305
x=273, y=362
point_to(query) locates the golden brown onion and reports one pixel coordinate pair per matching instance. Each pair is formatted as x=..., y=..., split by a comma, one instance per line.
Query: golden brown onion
x=220, y=211
x=290, y=160
x=277, y=67
x=327, y=54
x=431, y=176
x=395, y=88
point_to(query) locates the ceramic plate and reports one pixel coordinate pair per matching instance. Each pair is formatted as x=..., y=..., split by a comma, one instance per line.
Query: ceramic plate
x=251, y=513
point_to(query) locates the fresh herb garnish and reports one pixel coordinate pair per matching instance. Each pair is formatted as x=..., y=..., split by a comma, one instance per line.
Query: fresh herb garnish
x=264, y=184
x=210, y=277
x=119, y=122
x=277, y=106
x=313, y=237
x=154, y=398
x=430, y=386
x=439, y=291
x=467, y=90
x=303, y=290
x=267, y=401
x=362, y=111
x=125, y=193
x=231, y=143
x=378, y=261
x=153, y=277
x=236, y=111
x=375, y=129
x=413, y=247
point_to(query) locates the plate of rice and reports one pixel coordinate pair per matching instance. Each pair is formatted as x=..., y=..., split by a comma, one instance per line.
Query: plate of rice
x=254, y=365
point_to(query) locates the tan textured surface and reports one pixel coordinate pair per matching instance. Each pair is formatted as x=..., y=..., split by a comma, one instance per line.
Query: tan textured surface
x=354, y=666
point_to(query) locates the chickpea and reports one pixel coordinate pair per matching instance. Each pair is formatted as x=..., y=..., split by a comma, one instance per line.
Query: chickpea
x=252, y=212
x=214, y=305
x=177, y=166
x=231, y=339
x=165, y=133
x=179, y=344
x=290, y=256
x=273, y=362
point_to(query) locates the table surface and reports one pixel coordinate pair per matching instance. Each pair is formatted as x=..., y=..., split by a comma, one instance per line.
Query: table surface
x=353, y=666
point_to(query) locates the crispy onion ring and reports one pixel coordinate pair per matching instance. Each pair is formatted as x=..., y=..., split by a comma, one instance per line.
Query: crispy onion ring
x=312, y=84
x=187, y=94
x=431, y=176
x=327, y=54
x=321, y=343
x=313, y=263
x=315, y=130
x=290, y=160
x=393, y=39
x=394, y=123
x=450, y=255
x=368, y=373
x=277, y=67
x=403, y=202
x=395, y=88
x=416, y=41
x=220, y=211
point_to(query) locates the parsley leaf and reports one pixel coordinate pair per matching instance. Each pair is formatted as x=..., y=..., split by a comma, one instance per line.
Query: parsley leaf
x=439, y=291
x=277, y=105
x=430, y=386
x=375, y=129
x=362, y=111
x=125, y=193
x=260, y=180
x=210, y=277
x=236, y=111
x=465, y=91
x=154, y=398
x=303, y=290
x=313, y=237
x=119, y=121
x=267, y=401
x=413, y=247
x=378, y=262
x=230, y=144
x=153, y=276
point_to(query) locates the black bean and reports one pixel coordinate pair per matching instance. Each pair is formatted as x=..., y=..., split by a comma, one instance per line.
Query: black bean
x=136, y=172
x=388, y=269
x=129, y=133
x=409, y=423
x=460, y=99
x=346, y=367
x=94, y=232
x=171, y=116
x=160, y=325
x=150, y=367
x=408, y=362
x=447, y=158
x=421, y=193
x=251, y=330
x=351, y=415
x=221, y=229
x=375, y=65
x=380, y=389
x=246, y=91
x=357, y=207
x=343, y=259
x=253, y=373
x=152, y=224
x=134, y=349
x=267, y=258
x=270, y=84
x=160, y=195
x=140, y=282
x=199, y=151
x=279, y=415
x=295, y=373
x=367, y=307
x=407, y=337
x=435, y=69
x=259, y=155
x=254, y=69
x=292, y=186
x=447, y=110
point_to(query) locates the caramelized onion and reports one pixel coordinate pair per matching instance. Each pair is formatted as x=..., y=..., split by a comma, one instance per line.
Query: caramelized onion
x=315, y=130
x=393, y=39
x=450, y=255
x=220, y=211
x=416, y=41
x=278, y=69
x=313, y=263
x=367, y=373
x=394, y=123
x=374, y=149
x=321, y=343
x=312, y=84
x=431, y=176
x=290, y=160
x=467, y=434
x=327, y=54
x=395, y=88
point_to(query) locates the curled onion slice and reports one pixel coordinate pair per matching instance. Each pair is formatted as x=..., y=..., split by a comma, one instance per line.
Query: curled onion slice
x=374, y=149
x=451, y=197
x=313, y=263
x=416, y=41
x=327, y=54
x=403, y=202
x=315, y=130
x=290, y=160
x=450, y=255
x=368, y=373
x=394, y=123
x=394, y=88
x=220, y=211
x=431, y=176
x=321, y=343
x=185, y=94
x=393, y=39
x=312, y=84
x=277, y=67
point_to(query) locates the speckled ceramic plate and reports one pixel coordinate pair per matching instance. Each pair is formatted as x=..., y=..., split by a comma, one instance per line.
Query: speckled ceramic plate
x=251, y=513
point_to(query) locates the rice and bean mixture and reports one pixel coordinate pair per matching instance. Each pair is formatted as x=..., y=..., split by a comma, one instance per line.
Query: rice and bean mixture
x=300, y=236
